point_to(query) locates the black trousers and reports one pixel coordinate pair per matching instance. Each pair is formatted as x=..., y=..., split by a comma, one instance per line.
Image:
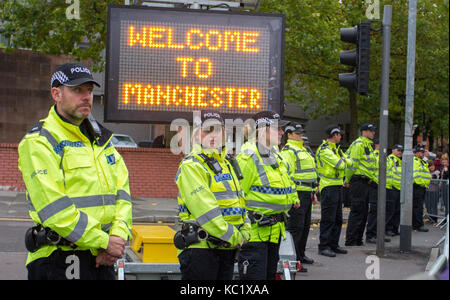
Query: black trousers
x=393, y=214
x=361, y=194
x=261, y=259
x=331, y=200
x=299, y=223
x=65, y=265
x=207, y=264
x=418, y=200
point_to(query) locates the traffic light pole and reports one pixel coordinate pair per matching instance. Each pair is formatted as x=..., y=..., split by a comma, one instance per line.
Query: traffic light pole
x=406, y=192
x=384, y=109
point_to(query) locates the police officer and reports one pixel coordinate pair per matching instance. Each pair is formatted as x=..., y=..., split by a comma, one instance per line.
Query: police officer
x=270, y=193
x=393, y=184
x=302, y=169
x=363, y=179
x=422, y=179
x=211, y=205
x=331, y=165
x=78, y=210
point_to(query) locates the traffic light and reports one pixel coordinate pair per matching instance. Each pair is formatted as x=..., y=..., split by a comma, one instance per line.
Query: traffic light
x=358, y=58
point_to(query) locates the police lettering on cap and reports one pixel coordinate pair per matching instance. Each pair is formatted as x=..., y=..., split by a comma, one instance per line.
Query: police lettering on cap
x=213, y=118
x=368, y=126
x=419, y=148
x=294, y=127
x=397, y=147
x=72, y=74
x=334, y=129
x=268, y=118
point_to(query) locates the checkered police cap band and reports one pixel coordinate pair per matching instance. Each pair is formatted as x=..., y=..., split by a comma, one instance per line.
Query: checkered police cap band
x=60, y=77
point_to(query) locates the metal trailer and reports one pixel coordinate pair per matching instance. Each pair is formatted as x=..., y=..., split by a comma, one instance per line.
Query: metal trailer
x=132, y=268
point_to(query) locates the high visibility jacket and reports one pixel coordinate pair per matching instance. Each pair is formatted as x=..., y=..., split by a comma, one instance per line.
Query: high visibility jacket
x=421, y=173
x=364, y=160
x=331, y=164
x=267, y=188
x=394, y=172
x=302, y=165
x=214, y=201
x=78, y=189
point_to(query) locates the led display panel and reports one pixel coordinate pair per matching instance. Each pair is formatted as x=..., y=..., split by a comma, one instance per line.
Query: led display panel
x=163, y=64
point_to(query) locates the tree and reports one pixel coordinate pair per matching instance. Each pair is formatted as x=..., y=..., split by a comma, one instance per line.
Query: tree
x=44, y=26
x=312, y=61
x=312, y=46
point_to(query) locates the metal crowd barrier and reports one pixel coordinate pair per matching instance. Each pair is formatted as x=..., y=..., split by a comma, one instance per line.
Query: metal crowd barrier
x=436, y=202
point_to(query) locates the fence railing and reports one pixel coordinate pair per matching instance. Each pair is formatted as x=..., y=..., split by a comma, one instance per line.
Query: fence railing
x=437, y=200
x=436, y=204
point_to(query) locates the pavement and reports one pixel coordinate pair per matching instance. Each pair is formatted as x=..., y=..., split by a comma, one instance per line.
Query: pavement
x=361, y=263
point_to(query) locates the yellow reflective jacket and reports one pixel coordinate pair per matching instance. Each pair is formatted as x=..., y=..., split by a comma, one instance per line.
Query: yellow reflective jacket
x=214, y=201
x=302, y=165
x=394, y=172
x=364, y=160
x=422, y=174
x=78, y=189
x=331, y=165
x=268, y=189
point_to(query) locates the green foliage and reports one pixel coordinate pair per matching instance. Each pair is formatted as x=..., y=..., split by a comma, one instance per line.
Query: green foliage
x=42, y=25
x=312, y=59
x=311, y=50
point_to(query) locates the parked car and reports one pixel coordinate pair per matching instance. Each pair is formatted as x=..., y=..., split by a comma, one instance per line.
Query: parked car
x=123, y=140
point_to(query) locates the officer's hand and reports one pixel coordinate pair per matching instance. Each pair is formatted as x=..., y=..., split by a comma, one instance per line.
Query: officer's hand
x=116, y=246
x=346, y=185
x=104, y=259
x=296, y=205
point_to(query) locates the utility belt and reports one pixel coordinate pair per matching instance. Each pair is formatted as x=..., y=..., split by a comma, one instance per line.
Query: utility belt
x=363, y=178
x=192, y=233
x=416, y=186
x=307, y=184
x=39, y=236
x=265, y=220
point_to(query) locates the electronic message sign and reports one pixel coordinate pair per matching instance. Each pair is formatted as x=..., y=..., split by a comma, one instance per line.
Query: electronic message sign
x=163, y=64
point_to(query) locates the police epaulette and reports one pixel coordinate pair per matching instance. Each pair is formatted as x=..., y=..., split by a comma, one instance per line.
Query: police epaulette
x=36, y=127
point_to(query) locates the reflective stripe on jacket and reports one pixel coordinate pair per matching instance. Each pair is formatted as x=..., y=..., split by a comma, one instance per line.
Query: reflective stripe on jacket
x=394, y=172
x=364, y=160
x=421, y=173
x=267, y=187
x=302, y=165
x=214, y=201
x=331, y=165
x=79, y=190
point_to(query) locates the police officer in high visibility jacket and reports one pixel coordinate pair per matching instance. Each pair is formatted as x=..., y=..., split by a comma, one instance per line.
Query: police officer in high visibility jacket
x=393, y=185
x=363, y=179
x=269, y=194
x=211, y=205
x=422, y=177
x=302, y=169
x=331, y=165
x=77, y=186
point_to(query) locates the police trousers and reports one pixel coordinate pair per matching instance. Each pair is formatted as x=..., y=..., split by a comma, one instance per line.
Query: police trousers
x=259, y=261
x=207, y=264
x=393, y=210
x=67, y=265
x=418, y=200
x=299, y=223
x=331, y=200
x=362, y=193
